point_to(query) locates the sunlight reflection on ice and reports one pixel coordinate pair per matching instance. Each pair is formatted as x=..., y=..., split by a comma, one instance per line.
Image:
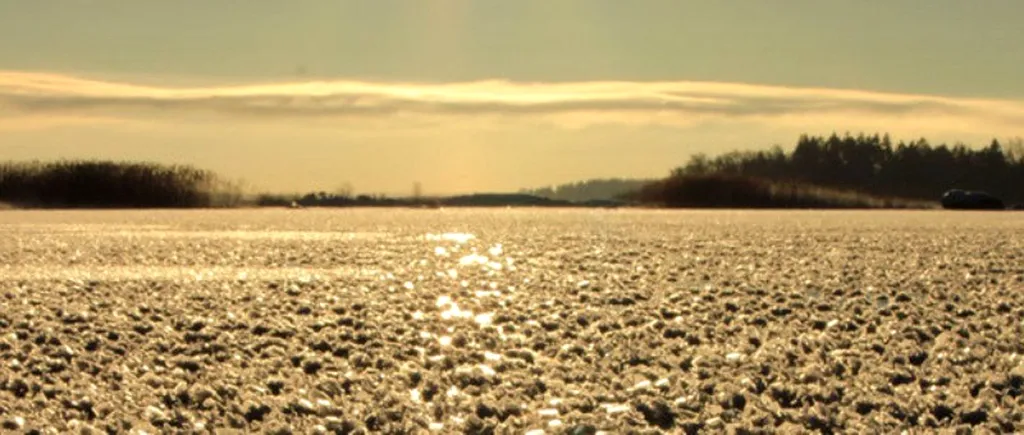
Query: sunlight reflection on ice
x=481, y=260
x=615, y=408
x=443, y=300
x=249, y=235
x=460, y=238
x=483, y=368
x=176, y=273
x=473, y=259
x=484, y=319
x=487, y=370
x=454, y=312
x=548, y=412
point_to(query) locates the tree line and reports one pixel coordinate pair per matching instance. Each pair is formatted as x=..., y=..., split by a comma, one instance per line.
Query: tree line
x=107, y=184
x=874, y=165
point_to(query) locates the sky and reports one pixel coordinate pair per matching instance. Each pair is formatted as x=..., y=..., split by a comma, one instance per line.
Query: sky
x=491, y=95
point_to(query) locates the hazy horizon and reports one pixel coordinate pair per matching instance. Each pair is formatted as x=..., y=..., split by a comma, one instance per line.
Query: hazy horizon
x=468, y=96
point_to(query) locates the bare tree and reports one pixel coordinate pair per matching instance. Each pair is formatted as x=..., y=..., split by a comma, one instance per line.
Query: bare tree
x=1014, y=150
x=345, y=190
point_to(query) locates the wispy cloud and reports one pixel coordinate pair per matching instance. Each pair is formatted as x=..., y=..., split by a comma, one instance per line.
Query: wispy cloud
x=29, y=93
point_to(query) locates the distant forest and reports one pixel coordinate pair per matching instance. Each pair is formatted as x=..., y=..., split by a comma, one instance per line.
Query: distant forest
x=589, y=190
x=873, y=165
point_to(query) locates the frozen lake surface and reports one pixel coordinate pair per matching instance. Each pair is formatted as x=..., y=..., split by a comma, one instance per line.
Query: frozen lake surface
x=512, y=320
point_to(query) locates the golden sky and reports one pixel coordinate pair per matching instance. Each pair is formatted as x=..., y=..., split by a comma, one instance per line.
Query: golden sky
x=478, y=95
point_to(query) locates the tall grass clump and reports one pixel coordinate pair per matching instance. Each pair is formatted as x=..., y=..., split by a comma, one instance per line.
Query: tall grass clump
x=108, y=184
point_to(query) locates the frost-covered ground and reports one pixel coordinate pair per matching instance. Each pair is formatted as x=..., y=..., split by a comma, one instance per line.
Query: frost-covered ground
x=511, y=321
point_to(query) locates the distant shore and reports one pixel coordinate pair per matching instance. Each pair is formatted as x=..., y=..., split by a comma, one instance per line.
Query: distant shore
x=470, y=200
x=849, y=172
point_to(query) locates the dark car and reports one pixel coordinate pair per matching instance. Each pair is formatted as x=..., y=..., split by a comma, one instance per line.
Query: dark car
x=957, y=199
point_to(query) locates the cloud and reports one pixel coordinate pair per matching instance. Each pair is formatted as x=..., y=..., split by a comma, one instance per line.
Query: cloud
x=36, y=123
x=30, y=93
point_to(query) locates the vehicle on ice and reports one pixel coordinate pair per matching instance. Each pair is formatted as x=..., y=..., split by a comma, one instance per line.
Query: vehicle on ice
x=957, y=199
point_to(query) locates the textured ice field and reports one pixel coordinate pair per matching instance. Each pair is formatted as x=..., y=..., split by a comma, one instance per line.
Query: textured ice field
x=510, y=321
